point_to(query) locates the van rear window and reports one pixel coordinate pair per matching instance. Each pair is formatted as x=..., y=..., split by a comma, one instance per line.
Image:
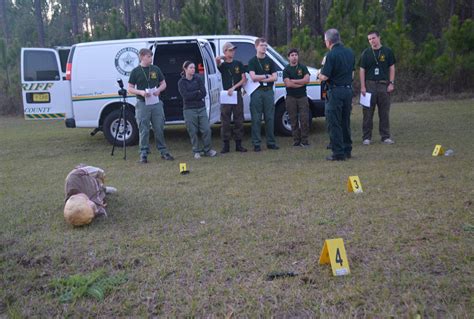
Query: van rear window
x=40, y=66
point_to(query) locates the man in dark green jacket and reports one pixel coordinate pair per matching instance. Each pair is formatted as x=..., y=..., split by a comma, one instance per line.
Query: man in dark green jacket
x=338, y=71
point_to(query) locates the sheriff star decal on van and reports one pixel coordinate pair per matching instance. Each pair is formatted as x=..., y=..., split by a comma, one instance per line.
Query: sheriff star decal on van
x=126, y=60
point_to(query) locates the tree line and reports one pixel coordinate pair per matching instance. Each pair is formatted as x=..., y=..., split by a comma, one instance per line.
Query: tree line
x=433, y=40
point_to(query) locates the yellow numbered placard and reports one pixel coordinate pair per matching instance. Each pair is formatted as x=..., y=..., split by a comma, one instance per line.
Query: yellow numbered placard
x=354, y=184
x=334, y=253
x=438, y=150
x=183, y=168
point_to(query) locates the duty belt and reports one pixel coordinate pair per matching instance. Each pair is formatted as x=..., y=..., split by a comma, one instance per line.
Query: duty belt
x=265, y=88
x=348, y=86
x=378, y=82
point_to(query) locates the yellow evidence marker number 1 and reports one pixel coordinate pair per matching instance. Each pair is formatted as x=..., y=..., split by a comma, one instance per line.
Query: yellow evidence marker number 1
x=438, y=150
x=354, y=184
x=334, y=253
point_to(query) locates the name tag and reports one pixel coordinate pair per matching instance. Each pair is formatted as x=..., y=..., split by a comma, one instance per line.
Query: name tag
x=376, y=71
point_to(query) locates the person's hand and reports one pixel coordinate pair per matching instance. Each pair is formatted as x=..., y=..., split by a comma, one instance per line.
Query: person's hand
x=157, y=93
x=390, y=87
x=146, y=94
x=363, y=90
x=230, y=91
x=218, y=60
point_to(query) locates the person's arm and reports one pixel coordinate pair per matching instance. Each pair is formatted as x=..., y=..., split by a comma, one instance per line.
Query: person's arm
x=186, y=94
x=134, y=91
x=202, y=88
x=289, y=83
x=301, y=82
x=241, y=83
x=160, y=88
x=322, y=77
x=257, y=77
x=391, y=85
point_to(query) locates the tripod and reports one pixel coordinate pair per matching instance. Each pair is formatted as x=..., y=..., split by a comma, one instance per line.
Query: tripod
x=123, y=93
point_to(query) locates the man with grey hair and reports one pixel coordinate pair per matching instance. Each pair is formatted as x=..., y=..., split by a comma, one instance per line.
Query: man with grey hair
x=338, y=72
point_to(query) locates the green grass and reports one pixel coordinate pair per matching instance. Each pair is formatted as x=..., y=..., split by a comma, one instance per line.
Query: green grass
x=203, y=244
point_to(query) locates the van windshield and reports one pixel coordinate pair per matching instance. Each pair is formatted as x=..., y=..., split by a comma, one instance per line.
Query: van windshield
x=277, y=56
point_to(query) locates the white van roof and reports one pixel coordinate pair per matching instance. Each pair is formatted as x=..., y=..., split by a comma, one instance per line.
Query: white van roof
x=182, y=38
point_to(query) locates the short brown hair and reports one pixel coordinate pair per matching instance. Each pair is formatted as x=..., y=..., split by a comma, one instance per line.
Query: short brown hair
x=145, y=51
x=259, y=40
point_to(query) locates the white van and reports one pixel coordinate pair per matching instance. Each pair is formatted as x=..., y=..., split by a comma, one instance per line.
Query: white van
x=83, y=89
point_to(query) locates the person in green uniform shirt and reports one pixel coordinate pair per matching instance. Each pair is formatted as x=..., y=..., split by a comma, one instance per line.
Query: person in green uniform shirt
x=147, y=80
x=377, y=76
x=233, y=77
x=338, y=71
x=296, y=76
x=262, y=69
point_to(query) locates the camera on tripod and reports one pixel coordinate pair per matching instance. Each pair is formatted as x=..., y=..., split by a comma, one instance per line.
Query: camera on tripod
x=122, y=92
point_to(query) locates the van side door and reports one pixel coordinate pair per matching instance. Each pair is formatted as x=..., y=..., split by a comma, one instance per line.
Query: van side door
x=213, y=82
x=45, y=91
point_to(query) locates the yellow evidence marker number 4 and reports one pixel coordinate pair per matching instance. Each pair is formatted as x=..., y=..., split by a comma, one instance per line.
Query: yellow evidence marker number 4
x=438, y=150
x=354, y=184
x=334, y=253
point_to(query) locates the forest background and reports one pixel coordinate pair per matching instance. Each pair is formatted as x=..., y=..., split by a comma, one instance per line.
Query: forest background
x=433, y=40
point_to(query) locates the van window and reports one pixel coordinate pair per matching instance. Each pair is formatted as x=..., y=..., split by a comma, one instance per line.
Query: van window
x=277, y=56
x=63, y=55
x=209, y=60
x=40, y=66
x=245, y=51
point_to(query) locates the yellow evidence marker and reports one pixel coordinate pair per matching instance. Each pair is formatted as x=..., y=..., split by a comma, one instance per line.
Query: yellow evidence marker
x=334, y=253
x=354, y=184
x=183, y=169
x=438, y=150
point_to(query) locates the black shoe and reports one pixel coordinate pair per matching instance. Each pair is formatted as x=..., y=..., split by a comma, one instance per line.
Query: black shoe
x=239, y=147
x=225, y=148
x=257, y=148
x=335, y=158
x=348, y=155
x=329, y=146
x=297, y=144
x=273, y=147
x=143, y=159
x=167, y=157
x=305, y=144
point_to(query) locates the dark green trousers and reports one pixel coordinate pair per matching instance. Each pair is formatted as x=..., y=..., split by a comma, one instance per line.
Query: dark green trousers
x=338, y=119
x=261, y=101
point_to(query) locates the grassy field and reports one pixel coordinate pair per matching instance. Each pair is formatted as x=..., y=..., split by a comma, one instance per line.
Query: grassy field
x=203, y=244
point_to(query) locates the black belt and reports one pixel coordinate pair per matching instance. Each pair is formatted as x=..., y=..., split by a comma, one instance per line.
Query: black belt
x=341, y=86
x=378, y=82
x=265, y=88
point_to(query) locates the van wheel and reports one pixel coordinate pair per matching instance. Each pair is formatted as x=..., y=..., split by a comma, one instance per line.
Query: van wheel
x=282, y=120
x=111, y=124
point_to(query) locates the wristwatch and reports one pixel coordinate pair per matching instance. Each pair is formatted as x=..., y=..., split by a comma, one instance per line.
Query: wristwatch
x=266, y=76
x=391, y=82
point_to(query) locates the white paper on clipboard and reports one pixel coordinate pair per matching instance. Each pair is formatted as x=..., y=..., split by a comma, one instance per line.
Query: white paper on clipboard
x=250, y=86
x=152, y=99
x=365, y=100
x=228, y=99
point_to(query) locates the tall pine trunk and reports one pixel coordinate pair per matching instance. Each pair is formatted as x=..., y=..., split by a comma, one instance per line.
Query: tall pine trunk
x=230, y=16
x=127, y=16
x=74, y=19
x=289, y=20
x=141, y=16
x=243, y=26
x=266, y=18
x=157, y=17
x=3, y=21
x=39, y=23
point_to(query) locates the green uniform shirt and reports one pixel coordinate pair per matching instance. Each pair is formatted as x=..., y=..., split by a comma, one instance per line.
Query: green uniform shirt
x=261, y=67
x=146, y=78
x=231, y=73
x=296, y=72
x=377, y=63
x=340, y=63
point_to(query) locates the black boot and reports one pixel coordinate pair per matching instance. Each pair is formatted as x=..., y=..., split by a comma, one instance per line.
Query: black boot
x=225, y=148
x=239, y=147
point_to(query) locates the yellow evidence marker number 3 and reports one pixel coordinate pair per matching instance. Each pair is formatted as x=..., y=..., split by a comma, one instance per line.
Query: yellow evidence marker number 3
x=354, y=184
x=438, y=150
x=334, y=253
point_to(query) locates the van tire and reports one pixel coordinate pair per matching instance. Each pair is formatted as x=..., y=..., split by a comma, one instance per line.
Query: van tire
x=282, y=120
x=110, y=125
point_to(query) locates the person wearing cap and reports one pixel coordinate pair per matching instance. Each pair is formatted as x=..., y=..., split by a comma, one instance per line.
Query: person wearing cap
x=85, y=194
x=262, y=69
x=147, y=80
x=296, y=76
x=338, y=71
x=233, y=78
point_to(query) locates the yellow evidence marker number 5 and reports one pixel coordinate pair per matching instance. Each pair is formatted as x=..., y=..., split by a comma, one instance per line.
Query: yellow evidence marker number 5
x=354, y=184
x=334, y=253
